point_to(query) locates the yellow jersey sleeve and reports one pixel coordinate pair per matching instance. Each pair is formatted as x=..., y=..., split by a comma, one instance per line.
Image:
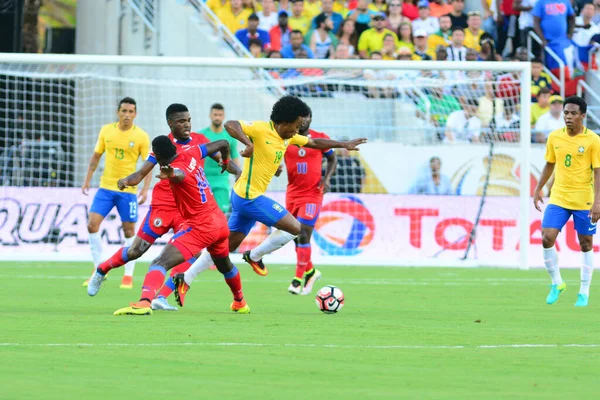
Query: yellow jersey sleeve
x=299, y=140
x=550, y=154
x=100, y=145
x=250, y=129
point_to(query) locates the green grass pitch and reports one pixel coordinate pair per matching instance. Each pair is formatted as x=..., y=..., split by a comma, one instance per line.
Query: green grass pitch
x=429, y=333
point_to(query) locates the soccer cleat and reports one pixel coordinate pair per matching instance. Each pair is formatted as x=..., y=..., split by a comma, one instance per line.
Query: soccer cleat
x=309, y=281
x=240, y=307
x=161, y=303
x=87, y=280
x=139, y=308
x=582, y=300
x=126, y=282
x=258, y=266
x=181, y=289
x=94, y=283
x=555, y=291
x=295, y=287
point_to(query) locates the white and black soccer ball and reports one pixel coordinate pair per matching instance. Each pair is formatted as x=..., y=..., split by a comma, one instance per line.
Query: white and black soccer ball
x=330, y=299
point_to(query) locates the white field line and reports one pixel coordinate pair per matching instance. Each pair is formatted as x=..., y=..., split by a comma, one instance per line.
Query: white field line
x=342, y=281
x=300, y=345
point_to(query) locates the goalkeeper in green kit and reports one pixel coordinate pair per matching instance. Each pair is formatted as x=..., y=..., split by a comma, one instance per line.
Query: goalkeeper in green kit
x=219, y=183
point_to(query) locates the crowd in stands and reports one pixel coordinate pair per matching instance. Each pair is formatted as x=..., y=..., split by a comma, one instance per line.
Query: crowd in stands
x=430, y=30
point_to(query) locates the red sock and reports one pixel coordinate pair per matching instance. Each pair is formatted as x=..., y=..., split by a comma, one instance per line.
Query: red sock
x=117, y=260
x=169, y=286
x=235, y=283
x=303, y=263
x=152, y=282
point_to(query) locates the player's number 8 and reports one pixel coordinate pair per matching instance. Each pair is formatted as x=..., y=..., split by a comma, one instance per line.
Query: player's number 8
x=568, y=160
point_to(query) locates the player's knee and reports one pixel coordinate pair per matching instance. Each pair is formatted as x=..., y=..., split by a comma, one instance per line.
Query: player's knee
x=129, y=232
x=586, y=244
x=548, y=240
x=93, y=227
x=303, y=237
x=294, y=228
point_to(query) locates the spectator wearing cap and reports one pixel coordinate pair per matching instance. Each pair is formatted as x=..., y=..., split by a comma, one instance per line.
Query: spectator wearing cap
x=280, y=34
x=463, y=126
x=299, y=22
x=234, y=17
x=394, y=15
x=473, y=31
x=268, y=17
x=457, y=51
x=372, y=39
x=437, y=8
x=422, y=52
x=362, y=16
x=457, y=15
x=425, y=22
x=550, y=121
x=337, y=19
x=322, y=40
x=443, y=37
x=296, y=47
x=252, y=32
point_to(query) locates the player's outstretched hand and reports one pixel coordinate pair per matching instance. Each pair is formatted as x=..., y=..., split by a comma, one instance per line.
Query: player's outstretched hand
x=537, y=198
x=85, y=188
x=324, y=185
x=354, y=143
x=247, y=152
x=166, y=171
x=595, y=212
x=122, y=184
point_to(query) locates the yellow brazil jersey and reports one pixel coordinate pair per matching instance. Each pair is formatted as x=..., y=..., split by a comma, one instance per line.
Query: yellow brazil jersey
x=371, y=40
x=311, y=10
x=123, y=149
x=216, y=5
x=234, y=22
x=301, y=24
x=471, y=40
x=574, y=157
x=269, y=149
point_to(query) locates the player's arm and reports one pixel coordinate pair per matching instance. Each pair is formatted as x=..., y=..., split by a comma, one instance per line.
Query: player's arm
x=218, y=146
x=323, y=144
x=135, y=178
x=595, y=212
x=175, y=175
x=538, y=193
x=144, y=152
x=93, y=164
x=234, y=128
x=329, y=170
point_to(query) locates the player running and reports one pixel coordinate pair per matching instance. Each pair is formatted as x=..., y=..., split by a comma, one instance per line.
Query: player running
x=123, y=143
x=205, y=225
x=219, y=182
x=266, y=143
x=303, y=199
x=163, y=214
x=573, y=154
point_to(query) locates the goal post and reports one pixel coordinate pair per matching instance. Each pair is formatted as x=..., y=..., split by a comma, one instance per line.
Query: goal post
x=63, y=100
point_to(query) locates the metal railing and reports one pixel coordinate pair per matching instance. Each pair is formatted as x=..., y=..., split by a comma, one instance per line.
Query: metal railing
x=560, y=81
x=146, y=10
x=593, y=111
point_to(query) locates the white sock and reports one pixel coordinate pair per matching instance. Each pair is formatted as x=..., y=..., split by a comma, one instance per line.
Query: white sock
x=587, y=269
x=551, y=263
x=130, y=266
x=96, y=248
x=274, y=241
x=200, y=265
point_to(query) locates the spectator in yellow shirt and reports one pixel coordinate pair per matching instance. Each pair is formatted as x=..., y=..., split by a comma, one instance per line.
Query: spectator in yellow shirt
x=542, y=106
x=216, y=5
x=340, y=7
x=473, y=31
x=234, y=17
x=298, y=21
x=372, y=39
x=312, y=8
x=443, y=36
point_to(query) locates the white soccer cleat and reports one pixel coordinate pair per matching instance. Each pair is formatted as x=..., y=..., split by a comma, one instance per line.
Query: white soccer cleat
x=309, y=283
x=94, y=283
x=161, y=303
x=295, y=289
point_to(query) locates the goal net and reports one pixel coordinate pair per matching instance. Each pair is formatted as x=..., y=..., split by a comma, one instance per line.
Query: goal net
x=445, y=178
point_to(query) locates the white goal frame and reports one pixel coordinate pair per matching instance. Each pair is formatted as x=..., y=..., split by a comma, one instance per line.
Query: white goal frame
x=525, y=95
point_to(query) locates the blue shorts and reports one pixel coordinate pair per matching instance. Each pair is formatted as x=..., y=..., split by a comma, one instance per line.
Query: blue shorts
x=245, y=213
x=126, y=204
x=556, y=217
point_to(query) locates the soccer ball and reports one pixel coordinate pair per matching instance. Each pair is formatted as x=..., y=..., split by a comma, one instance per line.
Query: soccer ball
x=330, y=299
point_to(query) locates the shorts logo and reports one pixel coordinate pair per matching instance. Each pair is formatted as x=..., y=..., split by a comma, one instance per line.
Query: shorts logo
x=131, y=144
x=277, y=207
x=301, y=152
x=581, y=149
x=157, y=222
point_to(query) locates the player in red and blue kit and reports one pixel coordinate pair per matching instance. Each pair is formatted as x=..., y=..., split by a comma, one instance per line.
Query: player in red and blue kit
x=303, y=199
x=205, y=225
x=163, y=214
